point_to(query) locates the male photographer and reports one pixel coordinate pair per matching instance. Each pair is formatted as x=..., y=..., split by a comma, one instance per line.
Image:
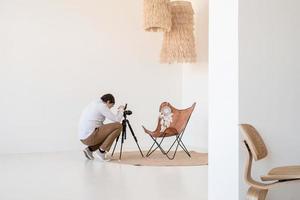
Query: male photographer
x=93, y=132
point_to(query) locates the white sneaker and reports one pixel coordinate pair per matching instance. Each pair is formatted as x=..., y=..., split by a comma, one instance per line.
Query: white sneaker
x=100, y=155
x=88, y=153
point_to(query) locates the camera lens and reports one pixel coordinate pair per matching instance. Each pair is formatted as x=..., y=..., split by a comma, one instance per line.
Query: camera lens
x=127, y=112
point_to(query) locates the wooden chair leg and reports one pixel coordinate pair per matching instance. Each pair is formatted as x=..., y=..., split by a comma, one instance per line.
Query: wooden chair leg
x=256, y=194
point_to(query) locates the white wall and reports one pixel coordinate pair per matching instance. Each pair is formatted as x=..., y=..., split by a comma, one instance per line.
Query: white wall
x=223, y=143
x=195, y=81
x=56, y=56
x=269, y=84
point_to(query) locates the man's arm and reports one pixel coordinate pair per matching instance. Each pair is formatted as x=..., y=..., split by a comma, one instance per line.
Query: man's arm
x=111, y=116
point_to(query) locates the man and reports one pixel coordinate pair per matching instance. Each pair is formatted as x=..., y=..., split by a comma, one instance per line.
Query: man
x=98, y=136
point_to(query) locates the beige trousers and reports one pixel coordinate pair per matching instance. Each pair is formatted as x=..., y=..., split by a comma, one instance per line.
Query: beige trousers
x=103, y=137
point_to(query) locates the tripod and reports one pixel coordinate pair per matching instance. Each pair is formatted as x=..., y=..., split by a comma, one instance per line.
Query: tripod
x=125, y=122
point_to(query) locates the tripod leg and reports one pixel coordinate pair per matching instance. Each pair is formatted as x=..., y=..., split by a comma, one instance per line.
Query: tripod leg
x=122, y=141
x=135, y=139
x=112, y=154
x=123, y=137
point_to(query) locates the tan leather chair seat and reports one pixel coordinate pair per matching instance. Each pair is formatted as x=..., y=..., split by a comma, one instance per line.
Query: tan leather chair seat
x=283, y=173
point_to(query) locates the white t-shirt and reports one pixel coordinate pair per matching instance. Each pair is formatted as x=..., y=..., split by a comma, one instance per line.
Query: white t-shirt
x=94, y=115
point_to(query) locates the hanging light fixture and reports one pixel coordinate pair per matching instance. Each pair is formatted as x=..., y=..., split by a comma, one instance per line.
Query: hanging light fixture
x=157, y=16
x=179, y=43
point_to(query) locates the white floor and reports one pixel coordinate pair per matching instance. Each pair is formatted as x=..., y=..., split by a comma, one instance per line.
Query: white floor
x=69, y=176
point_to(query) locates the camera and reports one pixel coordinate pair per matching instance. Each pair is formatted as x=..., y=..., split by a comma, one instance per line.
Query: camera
x=126, y=112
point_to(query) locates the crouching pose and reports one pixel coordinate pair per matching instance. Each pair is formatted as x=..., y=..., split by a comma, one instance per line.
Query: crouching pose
x=98, y=136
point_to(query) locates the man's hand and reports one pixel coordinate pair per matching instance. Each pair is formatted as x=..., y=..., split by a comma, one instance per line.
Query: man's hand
x=121, y=108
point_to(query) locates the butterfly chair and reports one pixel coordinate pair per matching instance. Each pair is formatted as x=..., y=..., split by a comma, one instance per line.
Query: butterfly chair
x=176, y=128
x=256, y=149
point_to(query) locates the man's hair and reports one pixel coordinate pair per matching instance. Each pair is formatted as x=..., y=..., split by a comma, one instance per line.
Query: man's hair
x=108, y=97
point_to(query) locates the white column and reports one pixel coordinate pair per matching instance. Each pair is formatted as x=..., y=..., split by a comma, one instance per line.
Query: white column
x=223, y=100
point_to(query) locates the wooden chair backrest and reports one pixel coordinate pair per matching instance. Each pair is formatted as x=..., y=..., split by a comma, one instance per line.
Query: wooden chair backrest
x=254, y=141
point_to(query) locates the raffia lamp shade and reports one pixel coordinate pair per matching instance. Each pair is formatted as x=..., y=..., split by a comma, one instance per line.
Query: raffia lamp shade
x=179, y=43
x=157, y=16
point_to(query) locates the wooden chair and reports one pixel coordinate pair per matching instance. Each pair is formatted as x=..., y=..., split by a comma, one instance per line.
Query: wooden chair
x=176, y=129
x=257, y=150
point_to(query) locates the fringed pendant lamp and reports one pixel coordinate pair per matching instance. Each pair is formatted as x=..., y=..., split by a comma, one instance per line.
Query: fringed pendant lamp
x=179, y=43
x=157, y=16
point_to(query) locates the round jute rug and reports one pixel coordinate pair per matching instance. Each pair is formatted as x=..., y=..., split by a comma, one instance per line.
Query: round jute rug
x=158, y=159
